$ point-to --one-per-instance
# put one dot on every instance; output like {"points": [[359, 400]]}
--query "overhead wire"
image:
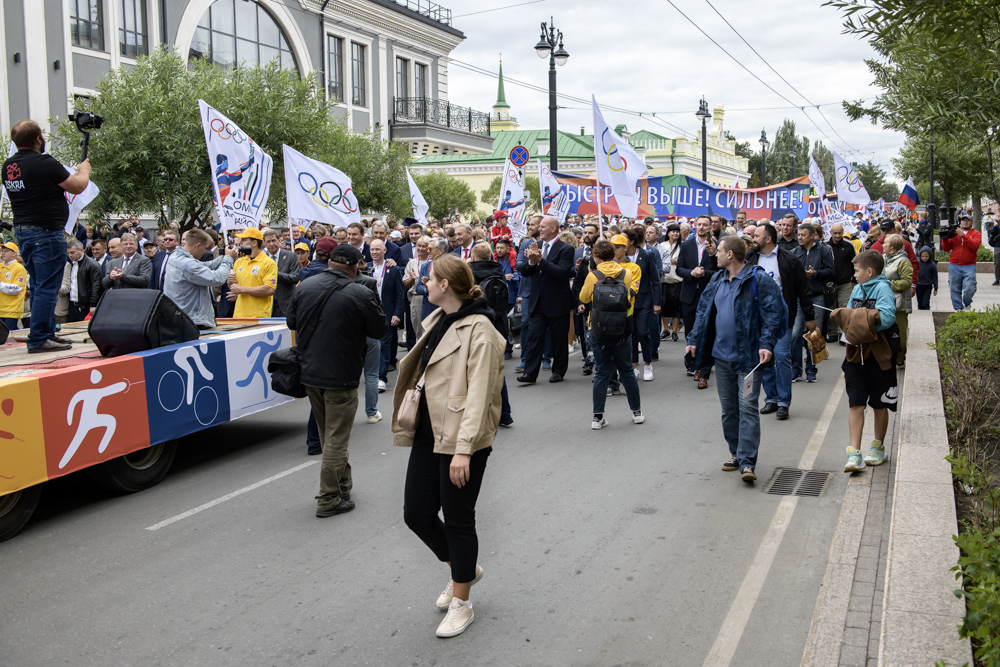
{"points": [[496, 9]]}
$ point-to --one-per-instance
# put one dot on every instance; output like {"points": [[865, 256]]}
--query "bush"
{"points": [[979, 568], [972, 337]]}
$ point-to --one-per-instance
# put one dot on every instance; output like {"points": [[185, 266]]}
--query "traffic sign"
{"points": [[519, 156]]}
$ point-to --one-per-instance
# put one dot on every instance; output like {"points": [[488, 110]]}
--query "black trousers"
{"points": [[641, 335], [76, 313], [428, 490], [558, 326], [580, 321], [689, 312]]}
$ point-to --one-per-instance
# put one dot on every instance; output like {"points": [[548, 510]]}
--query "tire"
{"points": [[15, 510], [136, 471]]}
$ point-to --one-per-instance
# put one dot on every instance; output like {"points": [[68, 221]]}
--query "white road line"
{"points": [[724, 648], [229, 496]]}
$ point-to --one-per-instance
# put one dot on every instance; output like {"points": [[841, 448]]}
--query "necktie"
{"points": [[545, 251], [467, 251]]}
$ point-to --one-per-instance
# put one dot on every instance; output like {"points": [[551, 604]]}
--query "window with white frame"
{"points": [[132, 31], [419, 80], [335, 68], [402, 77]]}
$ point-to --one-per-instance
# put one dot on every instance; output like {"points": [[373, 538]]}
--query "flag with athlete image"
{"points": [[417, 202], [513, 199], [555, 196], [816, 178], [241, 171], [317, 191], [850, 189], [618, 166]]}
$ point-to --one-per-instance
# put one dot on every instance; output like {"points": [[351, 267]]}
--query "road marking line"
{"points": [[229, 496], [724, 647]]}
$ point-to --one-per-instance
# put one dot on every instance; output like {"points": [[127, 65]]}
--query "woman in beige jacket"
{"points": [[460, 357]]}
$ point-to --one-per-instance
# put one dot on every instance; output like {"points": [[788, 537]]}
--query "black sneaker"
{"points": [[588, 370], [506, 421], [768, 409], [782, 413], [690, 373], [664, 335], [747, 474], [345, 505], [673, 337], [730, 465]]}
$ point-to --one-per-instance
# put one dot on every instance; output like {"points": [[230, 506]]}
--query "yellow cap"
{"points": [[619, 239], [251, 233], [302, 246], [10, 245]]}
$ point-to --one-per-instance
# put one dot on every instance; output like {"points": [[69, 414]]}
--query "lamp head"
{"points": [[561, 55], [543, 48]]}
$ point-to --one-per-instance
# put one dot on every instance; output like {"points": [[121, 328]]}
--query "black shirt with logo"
{"points": [[32, 183]]}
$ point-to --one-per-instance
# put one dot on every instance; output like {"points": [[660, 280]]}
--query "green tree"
{"points": [[150, 157], [491, 195], [445, 195], [960, 167]]}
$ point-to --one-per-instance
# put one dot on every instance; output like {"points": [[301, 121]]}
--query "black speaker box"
{"points": [[133, 320]]}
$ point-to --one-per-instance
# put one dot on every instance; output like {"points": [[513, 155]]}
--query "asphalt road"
{"points": [[626, 546]]}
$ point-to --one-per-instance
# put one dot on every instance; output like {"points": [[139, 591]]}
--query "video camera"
{"points": [[85, 123], [947, 230], [244, 250]]}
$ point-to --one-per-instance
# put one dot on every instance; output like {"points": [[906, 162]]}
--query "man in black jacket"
{"points": [[332, 315], [84, 298], [696, 265], [786, 270], [817, 259], [843, 270]]}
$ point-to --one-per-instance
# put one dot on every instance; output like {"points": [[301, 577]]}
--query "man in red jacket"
{"points": [[962, 263]]}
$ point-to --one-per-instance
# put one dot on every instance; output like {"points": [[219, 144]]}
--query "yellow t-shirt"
{"points": [[12, 305], [253, 273]]}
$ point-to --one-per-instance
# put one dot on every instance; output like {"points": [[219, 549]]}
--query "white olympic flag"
{"points": [[850, 189], [618, 166], [417, 202], [241, 180], [816, 178], [513, 200], [555, 198], [317, 191]]}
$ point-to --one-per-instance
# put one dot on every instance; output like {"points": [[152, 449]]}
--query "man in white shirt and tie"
{"points": [[131, 270], [463, 234]]}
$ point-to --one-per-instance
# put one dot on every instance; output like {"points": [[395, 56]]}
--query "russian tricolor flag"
{"points": [[909, 198]]}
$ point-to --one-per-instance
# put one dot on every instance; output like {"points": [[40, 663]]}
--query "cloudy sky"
{"points": [[644, 56]]}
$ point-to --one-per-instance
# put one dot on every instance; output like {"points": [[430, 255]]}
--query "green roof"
{"points": [[646, 134], [571, 147], [501, 98]]}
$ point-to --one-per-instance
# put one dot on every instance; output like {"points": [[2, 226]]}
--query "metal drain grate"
{"points": [[796, 482]]}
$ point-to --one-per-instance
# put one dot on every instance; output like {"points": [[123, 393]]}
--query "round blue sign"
{"points": [[519, 156]]}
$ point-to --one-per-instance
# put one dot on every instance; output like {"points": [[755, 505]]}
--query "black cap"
{"points": [[887, 224], [345, 254], [409, 221]]}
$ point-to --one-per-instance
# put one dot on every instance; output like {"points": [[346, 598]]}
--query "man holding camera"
{"points": [[35, 183], [254, 278], [188, 281], [963, 242]]}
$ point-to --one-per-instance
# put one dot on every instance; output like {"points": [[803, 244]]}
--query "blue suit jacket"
{"points": [[154, 280], [549, 281], [651, 267], [393, 295], [687, 260], [406, 253]]}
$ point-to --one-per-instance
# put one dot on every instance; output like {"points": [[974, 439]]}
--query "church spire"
{"points": [[501, 98]]}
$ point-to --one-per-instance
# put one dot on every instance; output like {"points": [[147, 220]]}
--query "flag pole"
{"points": [[600, 218]]}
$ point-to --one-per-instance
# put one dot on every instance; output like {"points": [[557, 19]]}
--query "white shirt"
{"points": [[770, 264], [126, 260], [467, 251], [378, 271], [701, 248], [74, 293]]}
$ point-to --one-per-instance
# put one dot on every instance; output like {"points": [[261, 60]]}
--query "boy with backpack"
{"points": [[611, 290]]}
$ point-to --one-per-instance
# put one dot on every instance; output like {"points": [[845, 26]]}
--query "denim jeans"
{"points": [[740, 417], [800, 328], [313, 444], [372, 359], [9, 322], [777, 377], [961, 284], [44, 255], [924, 297], [608, 357], [504, 401]]}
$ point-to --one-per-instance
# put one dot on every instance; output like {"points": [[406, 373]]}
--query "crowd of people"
{"points": [[758, 301]]}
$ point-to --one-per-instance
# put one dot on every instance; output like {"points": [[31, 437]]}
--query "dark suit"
{"points": [[158, 270], [288, 278], [88, 289], [460, 251], [137, 274], [549, 304], [393, 298], [407, 251], [691, 288], [650, 266]]}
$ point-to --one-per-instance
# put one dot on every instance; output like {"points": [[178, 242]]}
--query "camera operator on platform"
{"points": [[253, 279], [35, 183], [189, 281]]}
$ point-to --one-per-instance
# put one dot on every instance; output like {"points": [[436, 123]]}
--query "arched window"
{"points": [[240, 32]]}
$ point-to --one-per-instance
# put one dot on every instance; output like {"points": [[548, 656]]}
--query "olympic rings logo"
{"points": [[318, 191], [612, 150], [227, 131], [852, 185]]}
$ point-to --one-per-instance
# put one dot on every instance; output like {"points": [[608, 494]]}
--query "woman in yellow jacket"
{"points": [[460, 357]]}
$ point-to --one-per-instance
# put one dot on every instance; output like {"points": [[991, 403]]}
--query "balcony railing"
{"points": [[425, 111], [431, 10]]}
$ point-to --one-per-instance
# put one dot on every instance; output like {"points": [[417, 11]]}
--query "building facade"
{"points": [[382, 61]]}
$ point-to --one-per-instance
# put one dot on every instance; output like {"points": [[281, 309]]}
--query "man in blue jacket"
{"points": [[738, 315]]}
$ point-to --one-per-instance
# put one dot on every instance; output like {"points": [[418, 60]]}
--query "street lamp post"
{"points": [[763, 158], [791, 169], [550, 46], [704, 115]]}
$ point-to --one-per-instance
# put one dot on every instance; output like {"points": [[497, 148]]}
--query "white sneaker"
{"points": [[517, 346], [636, 371], [375, 418], [458, 619], [637, 417], [598, 424], [444, 600], [381, 387], [647, 373]]}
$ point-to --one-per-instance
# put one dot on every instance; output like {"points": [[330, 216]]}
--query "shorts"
{"points": [[868, 384]]}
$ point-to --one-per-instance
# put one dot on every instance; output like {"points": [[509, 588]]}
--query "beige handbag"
{"points": [[409, 409]]}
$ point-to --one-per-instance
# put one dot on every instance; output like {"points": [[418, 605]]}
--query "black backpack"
{"points": [[495, 290], [609, 309]]}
